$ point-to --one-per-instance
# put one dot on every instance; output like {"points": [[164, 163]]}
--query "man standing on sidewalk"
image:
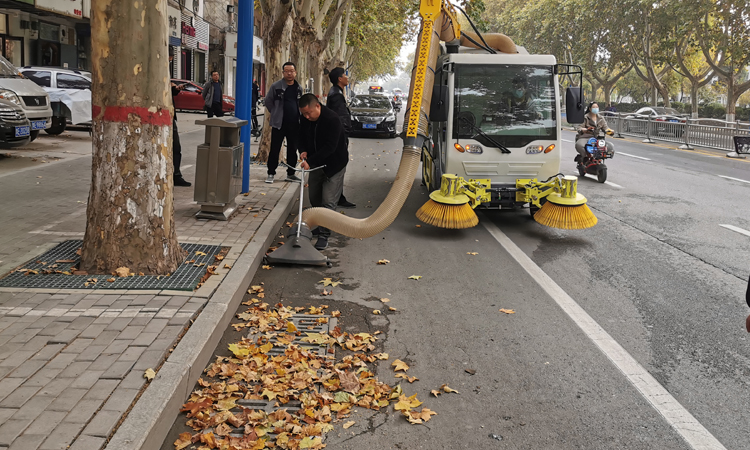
{"points": [[281, 102], [177, 178], [337, 103], [322, 143], [213, 96]]}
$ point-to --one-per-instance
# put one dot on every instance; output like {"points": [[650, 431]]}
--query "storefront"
{"points": [[12, 47], [259, 63], [194, 50], [175, 42], [56, 43]]}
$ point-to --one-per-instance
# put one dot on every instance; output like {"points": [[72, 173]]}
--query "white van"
{"points": [[28, 95]]}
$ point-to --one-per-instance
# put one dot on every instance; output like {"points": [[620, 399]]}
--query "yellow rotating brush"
{"points": [[448, 208], [566, 209]]}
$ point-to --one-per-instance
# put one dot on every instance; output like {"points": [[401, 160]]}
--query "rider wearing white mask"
{"points": [[593, 124]]}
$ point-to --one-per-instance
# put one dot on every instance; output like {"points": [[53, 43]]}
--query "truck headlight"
{"points": [[10, 96]]}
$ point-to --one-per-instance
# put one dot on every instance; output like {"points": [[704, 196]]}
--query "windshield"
{"points": [[7, 69], [370, 102], [513, 104]]}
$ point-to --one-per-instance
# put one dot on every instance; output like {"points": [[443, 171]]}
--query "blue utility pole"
{"points": [[244, 99]]}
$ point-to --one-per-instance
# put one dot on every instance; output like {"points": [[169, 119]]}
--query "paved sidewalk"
{"points": [[72, 362]]}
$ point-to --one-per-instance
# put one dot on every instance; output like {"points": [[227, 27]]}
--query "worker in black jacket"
{"points": [[322, 142], [337, 102], [177, 178]]}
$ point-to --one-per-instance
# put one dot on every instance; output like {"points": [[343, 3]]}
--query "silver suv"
{"points": [[25, 93]]}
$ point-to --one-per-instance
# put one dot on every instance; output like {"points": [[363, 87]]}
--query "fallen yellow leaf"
{"points": [[435, 392], [346, 425], [399, 365], [329, 282], [507, 311], [385, 300], [447, 389], [149, 374], [391, 308], [383, 262], [472, 253], [376, 311], [267, 267], [122, 271], [415, 277]]}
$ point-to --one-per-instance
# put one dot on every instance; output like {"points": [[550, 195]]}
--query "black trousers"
{"points": [[215, 110], [277, 138], [254, 121], [176, 150]]}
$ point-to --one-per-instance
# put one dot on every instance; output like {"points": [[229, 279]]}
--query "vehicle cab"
{"points": [[500, 120], [26, 94]]}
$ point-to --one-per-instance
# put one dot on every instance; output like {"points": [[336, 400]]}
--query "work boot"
{"points": [[322, 243], [316, 231], [269, 178], [179, 181], [344, 203]]}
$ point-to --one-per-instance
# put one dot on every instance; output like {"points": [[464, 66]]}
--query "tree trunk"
{"points": [[694, 99], [130, 215]]}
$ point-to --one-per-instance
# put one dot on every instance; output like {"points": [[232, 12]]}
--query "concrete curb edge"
{"points": [[150, 420]]}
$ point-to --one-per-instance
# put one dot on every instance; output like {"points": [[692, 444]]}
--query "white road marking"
{"points": [[633, 156], [679, 418], [613, 184], [187, 166], [735, 179], [565, 140], [737, 229]]}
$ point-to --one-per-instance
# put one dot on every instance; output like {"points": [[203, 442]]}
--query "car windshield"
{"points": [[666, 111], [7, 70], [365, 101], [513, 104]]}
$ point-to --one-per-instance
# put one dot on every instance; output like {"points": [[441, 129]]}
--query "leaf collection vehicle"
{"points": [[482, 120]]}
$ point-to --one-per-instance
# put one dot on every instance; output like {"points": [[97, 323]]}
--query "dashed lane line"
{"points": [[735, 179], [736, 229], [679, 418], [613, 184], [634, 156]]}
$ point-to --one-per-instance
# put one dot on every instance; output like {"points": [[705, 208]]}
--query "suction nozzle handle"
{"points": [[300, 169]]}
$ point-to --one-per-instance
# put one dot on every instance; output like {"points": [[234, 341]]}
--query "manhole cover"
{"points": [[42, 273]]}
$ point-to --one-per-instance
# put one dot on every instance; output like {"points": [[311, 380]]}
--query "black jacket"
{"points": [[324, 141], [337, 102]]}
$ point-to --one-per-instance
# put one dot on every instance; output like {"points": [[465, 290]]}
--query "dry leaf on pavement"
{"points": [[415, 277], [376, 311], [149, 374], [383, 262], [399, 365], [507, 311], [447, 389], [385, 300], [122, 271], [329, 282]]}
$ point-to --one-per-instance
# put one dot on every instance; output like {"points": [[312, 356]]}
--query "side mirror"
{"points": [[574, 109], [439, 104]]}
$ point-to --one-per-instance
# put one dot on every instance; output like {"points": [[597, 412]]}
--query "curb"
{"points": [[151, 418]]}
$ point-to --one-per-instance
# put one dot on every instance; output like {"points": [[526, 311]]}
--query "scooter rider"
{"points": [[593, 125]]}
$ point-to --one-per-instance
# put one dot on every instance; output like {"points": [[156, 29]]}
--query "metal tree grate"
{"points": [[63, 258]]}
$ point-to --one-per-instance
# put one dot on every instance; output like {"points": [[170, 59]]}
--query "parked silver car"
{"points": [[25, 93]]}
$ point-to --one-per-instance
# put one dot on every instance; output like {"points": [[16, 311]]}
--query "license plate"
{"points": [[673, 120], [38, 124], [369, 126], [22, 131]]}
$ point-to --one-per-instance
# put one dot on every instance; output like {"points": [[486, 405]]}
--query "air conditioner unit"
{"points": [[35, 26], [25, 25], [63, 34]]}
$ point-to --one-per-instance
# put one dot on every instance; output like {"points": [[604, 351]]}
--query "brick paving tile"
{"points": [[131, 332], [27, 442], [66, 400], [118, 370], [46, 422], [43, 377], [80, 323], [144, 340], [11, 429], [105, 337], [107, 300], [119, 323], [61, 361], [150, 359], [75, 369], [5, 413], [78, 345], [83, 411], [105, 317], [53, 329], [27, 369], [103, 423], [91, 353], [24, 336], [49, 351], [55, 387], [103, 362], [139, 321], [132, 354], [93, 330], [117, 347], [155, 326], [120, 399], [33, 408], [101, 390], [133, 380], [64, 337], [61, 437], [88, 443], [88, 379], [19, 396]]}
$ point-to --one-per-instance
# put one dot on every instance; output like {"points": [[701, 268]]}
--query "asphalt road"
{"points": [[658, 274]]}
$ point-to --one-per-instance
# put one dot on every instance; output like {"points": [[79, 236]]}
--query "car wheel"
{"points": [[58, 126], [33, 135]]}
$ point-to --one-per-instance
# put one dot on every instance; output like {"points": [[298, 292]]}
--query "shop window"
{"points": [[40, 77], [68, 81]]}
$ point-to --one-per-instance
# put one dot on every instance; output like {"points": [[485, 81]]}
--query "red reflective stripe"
{"points": [[161, 117]]}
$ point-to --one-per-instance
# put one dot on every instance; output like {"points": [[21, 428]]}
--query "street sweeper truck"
{"points": [[483, 122]]}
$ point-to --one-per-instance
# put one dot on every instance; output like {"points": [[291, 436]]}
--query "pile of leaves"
{"points": [[309, 387]]}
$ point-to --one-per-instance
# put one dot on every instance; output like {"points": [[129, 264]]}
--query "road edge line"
{"points": [[151, 419], [679, 418]]}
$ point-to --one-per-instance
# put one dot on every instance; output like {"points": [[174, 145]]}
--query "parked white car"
{"points": [[25, 93], [69, 92]]}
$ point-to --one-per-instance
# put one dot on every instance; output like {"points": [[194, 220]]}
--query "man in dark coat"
{"points": [[213, 93], [322, 143], [281, 103], [254, 113], [337, 102], [176, 147]]}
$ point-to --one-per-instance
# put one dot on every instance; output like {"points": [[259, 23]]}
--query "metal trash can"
{"points": [[218, 168]]}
